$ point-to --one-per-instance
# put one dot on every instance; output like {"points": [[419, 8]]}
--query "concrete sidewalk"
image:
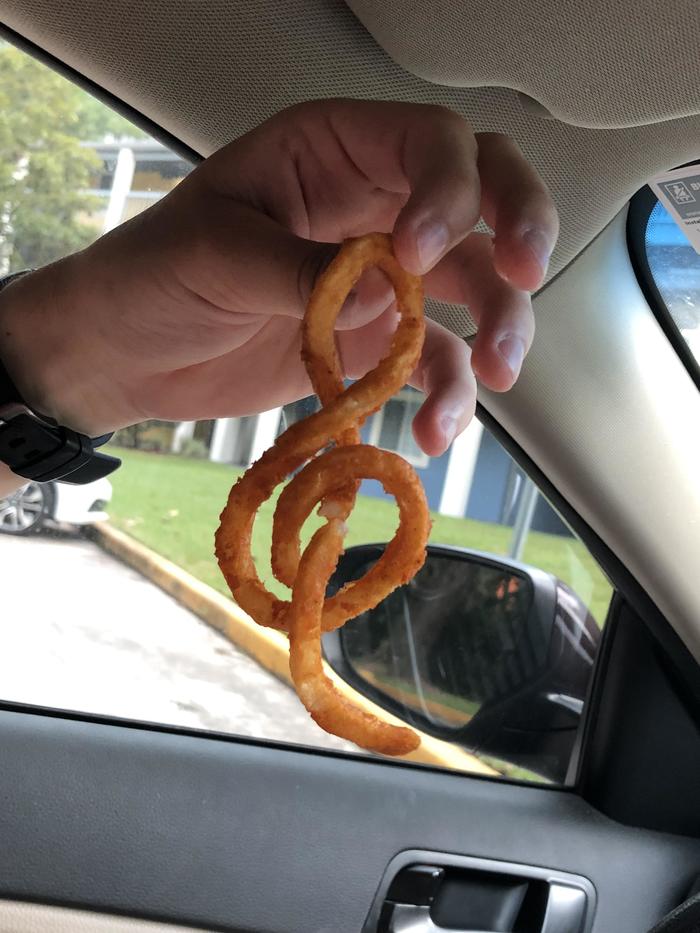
{"points": [[80, 630]]}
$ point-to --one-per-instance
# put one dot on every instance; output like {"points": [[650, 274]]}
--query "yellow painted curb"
{"points": [[267, 646]]}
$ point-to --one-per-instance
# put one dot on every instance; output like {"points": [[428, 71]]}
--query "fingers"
{"points": [[369, 298], [439, 156], [518, 208], [415, 169], [503, 313], [410, 168], [361, 349], [239, 260], [445, 375], [454, 178]]}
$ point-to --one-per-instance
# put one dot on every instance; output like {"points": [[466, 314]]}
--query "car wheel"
{"points": [[25, 510]]}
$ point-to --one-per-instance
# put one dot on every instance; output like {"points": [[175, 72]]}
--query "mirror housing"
{"points": [[489, 654]]}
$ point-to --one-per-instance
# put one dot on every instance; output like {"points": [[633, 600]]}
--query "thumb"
{"points": [[247, 262], [369, 297]]}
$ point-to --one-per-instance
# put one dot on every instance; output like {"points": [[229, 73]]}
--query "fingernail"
{"points": [[431, 241], [540, 246], [512, 349], [448, 423]]}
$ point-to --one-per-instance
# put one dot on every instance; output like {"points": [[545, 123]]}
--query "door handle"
{"points": [[564, 914], [409, 919], [566, 908]]}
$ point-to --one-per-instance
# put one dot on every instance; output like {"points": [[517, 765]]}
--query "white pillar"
{"points": [[121, 186], [523, 519], [460, 471], [184, 431], [223, 440], [265, 433]]}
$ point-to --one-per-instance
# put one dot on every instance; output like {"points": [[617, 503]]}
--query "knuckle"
{"points": [[493, 140], [527, 208], [447, 118]]}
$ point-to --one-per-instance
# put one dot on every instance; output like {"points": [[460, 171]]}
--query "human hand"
{"points": [[193, 309]]}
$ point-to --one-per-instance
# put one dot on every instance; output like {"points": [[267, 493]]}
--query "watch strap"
{"points": [[41, 452], [38, 448]]}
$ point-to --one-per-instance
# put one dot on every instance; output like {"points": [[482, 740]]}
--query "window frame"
{"points": [[640, 208], [629, 591]]}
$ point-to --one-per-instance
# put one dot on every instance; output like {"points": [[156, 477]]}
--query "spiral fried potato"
{"points": [[330, 479]]}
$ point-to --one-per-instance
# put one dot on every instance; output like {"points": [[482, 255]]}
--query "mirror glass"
{"points": [[458, 636]]}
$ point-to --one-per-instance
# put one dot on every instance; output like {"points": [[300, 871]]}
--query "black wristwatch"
{"points": [[40, 449]]}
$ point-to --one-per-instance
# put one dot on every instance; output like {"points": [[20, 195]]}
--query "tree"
{"points": [[45, 168], [96, 120]]}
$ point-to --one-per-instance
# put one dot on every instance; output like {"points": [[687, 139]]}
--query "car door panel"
{"points": [[233, 835], [26, 917]]}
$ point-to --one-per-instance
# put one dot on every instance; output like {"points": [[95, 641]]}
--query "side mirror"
{"points": [[487, 653]]}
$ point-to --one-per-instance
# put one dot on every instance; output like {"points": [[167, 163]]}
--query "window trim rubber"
{"points": [[640, 208]]}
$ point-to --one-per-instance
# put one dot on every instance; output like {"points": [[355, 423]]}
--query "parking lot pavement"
{"points": [[81, 631]]}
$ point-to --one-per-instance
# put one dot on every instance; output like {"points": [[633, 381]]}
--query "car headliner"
{"points": [[209, 72]]}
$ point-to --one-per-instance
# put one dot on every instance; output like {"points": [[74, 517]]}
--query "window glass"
{"points": [[675, 266], [107, 588], [70, 168], [391, 427], [446, 669]]}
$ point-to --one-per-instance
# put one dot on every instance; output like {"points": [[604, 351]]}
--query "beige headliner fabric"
{"points": [[210, 71], [590, 62], [21, 917]]}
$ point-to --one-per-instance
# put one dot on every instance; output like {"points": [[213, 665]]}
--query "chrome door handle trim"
{"points": [[407, 918], [566, 907], [565, 911]]}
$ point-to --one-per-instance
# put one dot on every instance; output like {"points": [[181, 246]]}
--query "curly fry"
{"points": [[332, 479], [327, 707]]}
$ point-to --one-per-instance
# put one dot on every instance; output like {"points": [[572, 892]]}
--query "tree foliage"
{"points": [[96, 120], [44, 167]]}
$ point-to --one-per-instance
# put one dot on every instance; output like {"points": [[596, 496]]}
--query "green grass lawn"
{"points": [[172, 504]]}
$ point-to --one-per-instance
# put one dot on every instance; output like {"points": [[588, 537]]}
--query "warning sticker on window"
{"points": [[679, 192]]}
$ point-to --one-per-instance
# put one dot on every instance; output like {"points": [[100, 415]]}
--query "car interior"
{"points": [[114, 823]]}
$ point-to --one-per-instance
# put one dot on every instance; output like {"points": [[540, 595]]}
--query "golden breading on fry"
{"points": [[331, 479]]}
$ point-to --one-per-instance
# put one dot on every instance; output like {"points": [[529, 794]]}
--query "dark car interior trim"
{"points": [[642, 756], [113, 835]]}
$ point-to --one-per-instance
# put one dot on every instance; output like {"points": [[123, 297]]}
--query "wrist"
{"points": [[43, 346], [9, 481]]}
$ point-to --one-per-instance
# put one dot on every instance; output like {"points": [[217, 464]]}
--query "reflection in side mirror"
{"points": [[487, 653]]}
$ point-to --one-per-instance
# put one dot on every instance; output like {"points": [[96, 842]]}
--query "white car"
{"points": [[36, 504]]}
